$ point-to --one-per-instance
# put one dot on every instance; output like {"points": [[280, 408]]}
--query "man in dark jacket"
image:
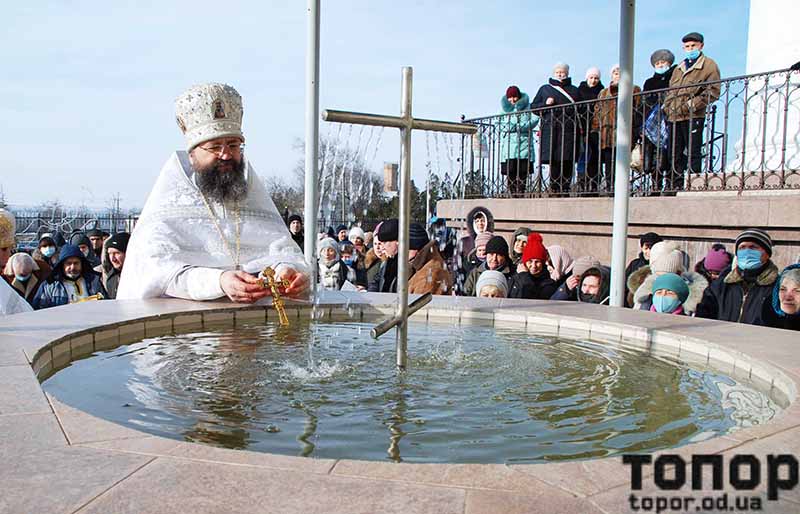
{"points": [[496, 259], [71, 281], [85, 246], [739, 293], [341, 233], [112, 262], [385, 280], [96, 238], [296, 230]]}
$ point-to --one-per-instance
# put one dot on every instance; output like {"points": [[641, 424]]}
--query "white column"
{"points": [[773, 43]]}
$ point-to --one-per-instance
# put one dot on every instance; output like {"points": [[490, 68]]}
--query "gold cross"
{"points": [[272, 283], [94, 297]]}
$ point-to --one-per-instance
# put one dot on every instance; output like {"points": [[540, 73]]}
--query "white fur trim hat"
{"points": [[209, 111], [356, 233]]}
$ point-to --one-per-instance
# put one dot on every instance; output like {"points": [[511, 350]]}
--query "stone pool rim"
{"points": [[55, 436]]}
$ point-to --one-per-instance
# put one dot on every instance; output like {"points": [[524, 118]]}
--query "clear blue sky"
{"points": [[88, 87]]}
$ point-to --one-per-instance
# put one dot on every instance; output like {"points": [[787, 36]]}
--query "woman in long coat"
{"points": [[560, 132], [605, 122]]}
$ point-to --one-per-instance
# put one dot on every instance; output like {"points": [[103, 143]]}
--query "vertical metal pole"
{"points": [[623, 158], [311, 197], [405, 218], [428, 201]]}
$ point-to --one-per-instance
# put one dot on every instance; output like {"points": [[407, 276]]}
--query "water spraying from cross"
{"points": [[406, 123]]}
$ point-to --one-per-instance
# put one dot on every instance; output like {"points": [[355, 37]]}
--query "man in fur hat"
{"points": [[209, 226]]}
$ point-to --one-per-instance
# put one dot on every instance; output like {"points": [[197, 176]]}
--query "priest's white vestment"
{"points": [[177, 249], [10, 301]]}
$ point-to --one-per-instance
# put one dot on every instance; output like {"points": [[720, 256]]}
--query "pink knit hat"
{"points": [[483, 238], [716, 260]]}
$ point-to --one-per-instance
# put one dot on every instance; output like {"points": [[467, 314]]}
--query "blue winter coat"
{"points": [[53, 293], [515, 129]]}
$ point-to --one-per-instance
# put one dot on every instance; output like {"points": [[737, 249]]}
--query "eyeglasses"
{"points": [[219, 150]]}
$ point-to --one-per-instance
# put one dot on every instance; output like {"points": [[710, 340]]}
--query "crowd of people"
{"points": [[86, 267], [209, 230], [667, 126], [741, 285]]}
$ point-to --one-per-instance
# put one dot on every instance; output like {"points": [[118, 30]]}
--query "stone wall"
{"points": [[697, 220]]}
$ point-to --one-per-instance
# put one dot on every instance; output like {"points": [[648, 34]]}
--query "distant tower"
{"points": [[389, 177], [773, 43]]}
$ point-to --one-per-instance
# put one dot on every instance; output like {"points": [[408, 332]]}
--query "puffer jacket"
{"points": [[515, 129], [53, 293], [735, 297], [532, 287], [691, 102]]}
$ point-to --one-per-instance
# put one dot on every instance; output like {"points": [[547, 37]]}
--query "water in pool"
{"points": [[471, 394]]}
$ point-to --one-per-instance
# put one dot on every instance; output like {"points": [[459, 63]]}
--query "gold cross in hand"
{"points": [[273, 284]]}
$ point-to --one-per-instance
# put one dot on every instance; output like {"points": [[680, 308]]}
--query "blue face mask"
{"points": [[666, 304], [22, 278], [692, 54], [662, 70], [349, 261], [48, 251], [748, 259]]}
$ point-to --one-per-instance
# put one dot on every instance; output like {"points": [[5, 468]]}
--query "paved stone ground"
{"points": [[56, 459]]}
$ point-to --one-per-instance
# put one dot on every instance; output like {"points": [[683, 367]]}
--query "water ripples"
{"points": [[471, 394]]}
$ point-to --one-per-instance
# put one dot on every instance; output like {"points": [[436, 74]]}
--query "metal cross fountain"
{"points": [[406, 123]]}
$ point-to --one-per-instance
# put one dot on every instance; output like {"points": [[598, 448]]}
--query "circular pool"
{"points": [[472, 393]]}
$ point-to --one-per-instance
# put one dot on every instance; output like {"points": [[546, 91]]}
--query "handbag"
{"points": [[655, 127]]}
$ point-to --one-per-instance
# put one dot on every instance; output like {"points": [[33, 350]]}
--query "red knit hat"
{"points": [[513, 92], [535, 248]]}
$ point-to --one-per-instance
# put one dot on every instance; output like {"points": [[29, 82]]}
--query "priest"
{"points": [[209, 227]]}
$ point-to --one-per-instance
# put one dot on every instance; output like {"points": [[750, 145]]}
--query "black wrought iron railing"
{"points": [[31, 225], [740, 133]]}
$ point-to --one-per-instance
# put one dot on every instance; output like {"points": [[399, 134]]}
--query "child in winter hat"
{"points": [[669, 293]]}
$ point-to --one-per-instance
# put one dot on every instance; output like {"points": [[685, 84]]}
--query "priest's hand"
{"points": [[298, 282], [242, 287]]}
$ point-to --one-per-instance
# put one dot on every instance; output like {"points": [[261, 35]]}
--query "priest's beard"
{"points": [[223, 186]]}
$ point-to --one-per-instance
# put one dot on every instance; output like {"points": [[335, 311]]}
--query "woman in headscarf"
{"points": [[782, 308], [23, 270], [559, 264], [559, 130]]}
